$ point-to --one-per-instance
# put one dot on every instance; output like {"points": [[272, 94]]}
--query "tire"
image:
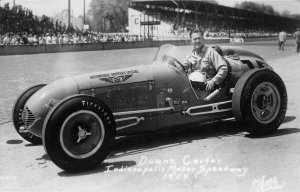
{"points": [[260, 101], [78, 133], [17, 114]]}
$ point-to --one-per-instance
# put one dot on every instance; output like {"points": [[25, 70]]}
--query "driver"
{"points": [[205, 61]]}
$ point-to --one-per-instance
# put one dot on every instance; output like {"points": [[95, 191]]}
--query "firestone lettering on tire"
{"points": [[90, 104]]}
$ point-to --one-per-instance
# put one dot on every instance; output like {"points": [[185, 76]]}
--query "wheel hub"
{"points": [[82, 133], [265, 102]]}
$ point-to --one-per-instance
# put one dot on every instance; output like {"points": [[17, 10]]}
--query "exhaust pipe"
{"points": [[212, 95]]}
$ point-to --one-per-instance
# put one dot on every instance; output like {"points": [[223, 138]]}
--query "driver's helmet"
{"points": [[197, 76], [197, 80]]}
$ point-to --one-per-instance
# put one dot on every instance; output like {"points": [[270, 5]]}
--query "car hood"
{"points": [[114, 77], [45, 98]]}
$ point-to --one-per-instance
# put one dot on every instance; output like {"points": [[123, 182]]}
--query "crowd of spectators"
{"points": [[245, 35], [26, 38], [216, 32], [210, 33], [65, 38]]}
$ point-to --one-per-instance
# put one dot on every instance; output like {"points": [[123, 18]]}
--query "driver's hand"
{"points": [[210, 85], [193, 59]]}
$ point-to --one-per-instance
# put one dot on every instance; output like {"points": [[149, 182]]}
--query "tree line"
{"points": [[108, 15], [266, 9], [17, 19]]}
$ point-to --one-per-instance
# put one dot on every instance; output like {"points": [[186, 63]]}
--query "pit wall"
{"points": [[38, 49], [261, 39]]}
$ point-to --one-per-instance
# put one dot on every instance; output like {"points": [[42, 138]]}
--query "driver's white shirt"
{"points": [[209, 62]]}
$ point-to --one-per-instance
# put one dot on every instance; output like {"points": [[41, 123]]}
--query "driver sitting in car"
{"points": [[206, 64]]}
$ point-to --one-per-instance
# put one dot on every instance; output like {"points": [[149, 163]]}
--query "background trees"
{"points": [[108, 15], [267, 9]]}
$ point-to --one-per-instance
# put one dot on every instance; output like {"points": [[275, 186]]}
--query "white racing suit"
{"points": [[209, 63]]}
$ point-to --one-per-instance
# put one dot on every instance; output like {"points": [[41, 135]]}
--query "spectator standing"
{"points": [[25, 39], [18, 40], [29, 38], [13, 40], [79, 39], [54, 39], [71, 40], [35, 40], [60, 39], [65, 39], [75, 39], [48, 39], [282, 39], [42, 40], [297, 37], [83, 39], [6, 40]]}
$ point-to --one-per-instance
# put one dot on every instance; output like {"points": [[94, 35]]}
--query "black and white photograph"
{"points": [[150, 95]]}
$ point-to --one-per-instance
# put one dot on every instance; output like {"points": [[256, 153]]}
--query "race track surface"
{"points": [[214, 157]]}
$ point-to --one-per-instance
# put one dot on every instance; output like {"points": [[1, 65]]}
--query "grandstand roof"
{"points": [[188, 4], [200, 5]]}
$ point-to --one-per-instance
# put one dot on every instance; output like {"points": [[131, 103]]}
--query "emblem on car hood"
{"points": [[115, 77]]}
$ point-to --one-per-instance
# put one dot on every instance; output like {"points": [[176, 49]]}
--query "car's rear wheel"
{"points": [[260, 101], [17, 113], [78, 133]]}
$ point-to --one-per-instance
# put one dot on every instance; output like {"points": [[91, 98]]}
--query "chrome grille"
{"points": [[28, 117]]}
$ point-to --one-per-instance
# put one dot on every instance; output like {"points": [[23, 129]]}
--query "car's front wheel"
{"points": [[78, 133], [260, 101], [17, 113]]}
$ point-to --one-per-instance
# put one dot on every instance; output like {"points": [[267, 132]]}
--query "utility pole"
{"points": [[69, 13], [177, 12], [14, 2], [83, 12]]}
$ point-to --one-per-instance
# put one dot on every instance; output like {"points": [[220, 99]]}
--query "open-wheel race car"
{"points": [[77, 118]]}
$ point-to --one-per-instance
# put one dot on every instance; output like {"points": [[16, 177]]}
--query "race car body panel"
{"points": [[242, 53]]}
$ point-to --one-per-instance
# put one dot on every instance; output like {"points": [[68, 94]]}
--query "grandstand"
{"points": [[162, 18]]}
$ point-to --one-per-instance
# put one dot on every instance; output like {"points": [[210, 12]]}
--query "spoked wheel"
{"points": [[78, 133], [18, 112], [260, 101]]}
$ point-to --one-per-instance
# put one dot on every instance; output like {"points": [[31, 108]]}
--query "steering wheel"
{"points": [[175, 63]]}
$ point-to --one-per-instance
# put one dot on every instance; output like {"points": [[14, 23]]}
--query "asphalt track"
{"points": [[214, 157]]}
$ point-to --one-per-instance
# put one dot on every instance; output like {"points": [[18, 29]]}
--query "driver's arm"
{"points": [[219, 64]]}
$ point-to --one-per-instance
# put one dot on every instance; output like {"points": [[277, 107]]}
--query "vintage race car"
{"points": [[77, 118]]}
